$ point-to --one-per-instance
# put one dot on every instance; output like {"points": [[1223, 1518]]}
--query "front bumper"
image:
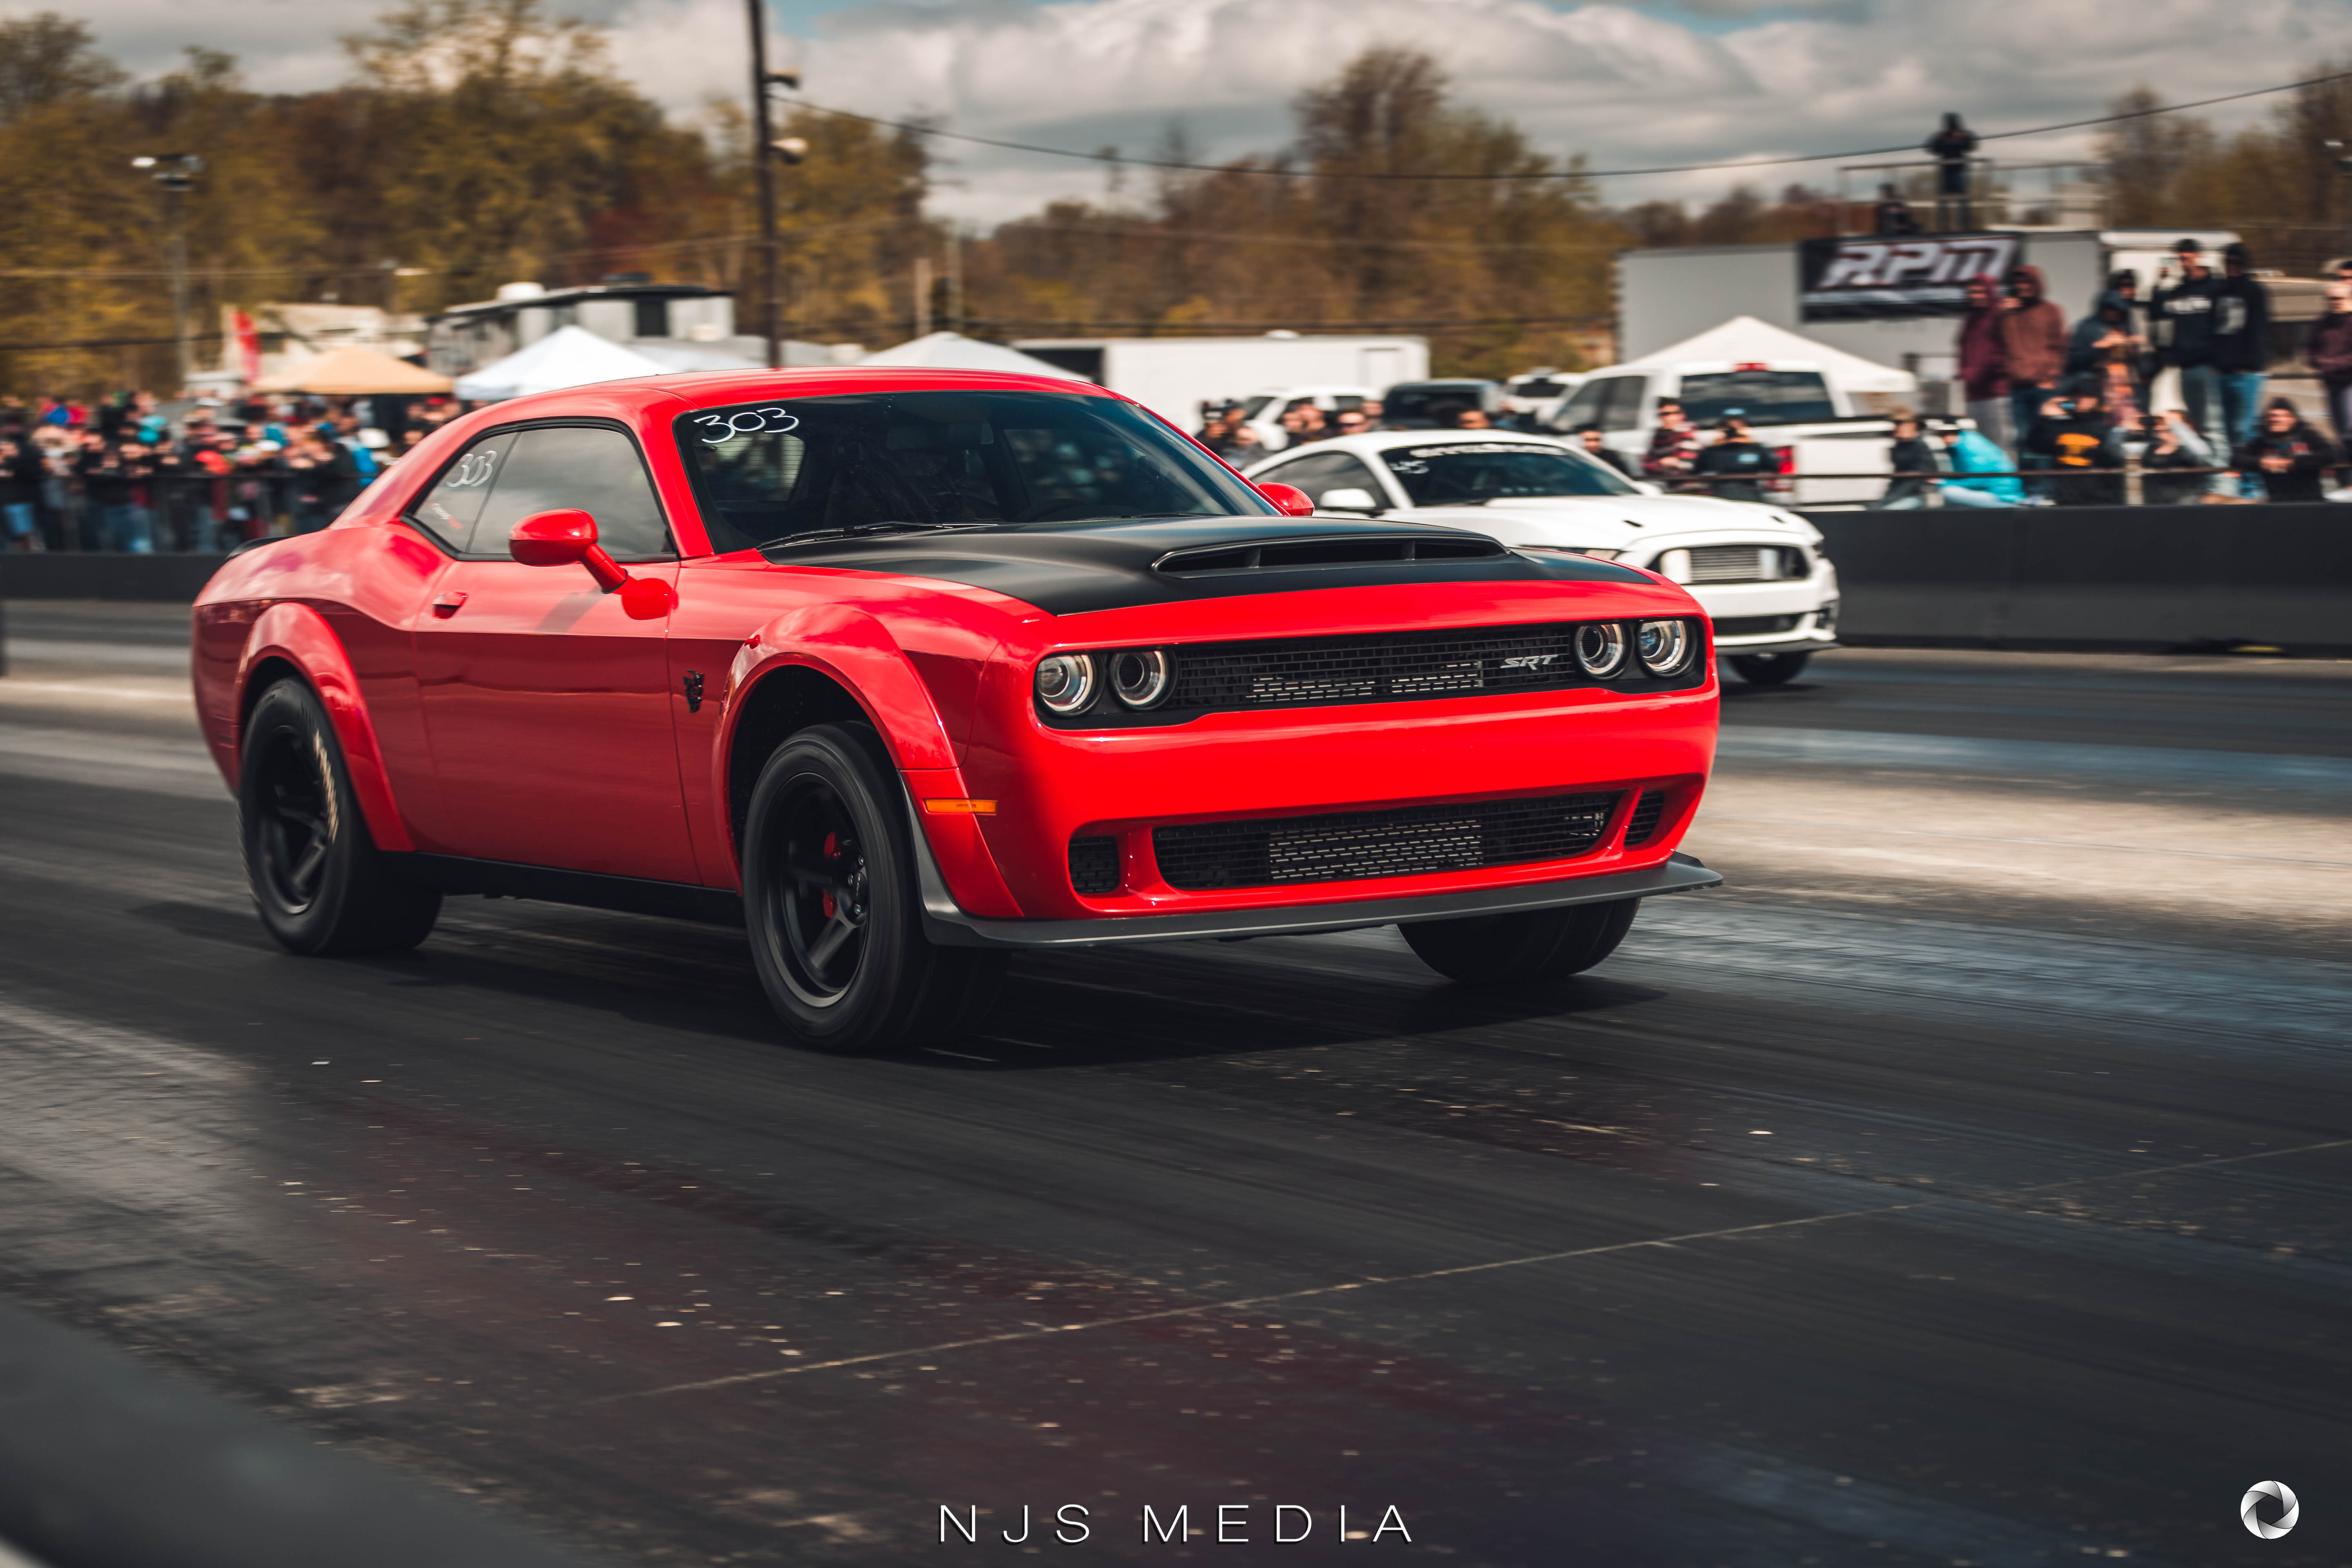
{"points": [[947, 926]]}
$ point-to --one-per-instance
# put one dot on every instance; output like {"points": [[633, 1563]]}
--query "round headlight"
{"points": [[1140, 676], [1665, 646], [1600, 648], [1066, 681]]}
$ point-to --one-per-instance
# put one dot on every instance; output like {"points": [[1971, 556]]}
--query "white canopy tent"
{"points": [[953, 350], [1744, 339], [569, 356]]}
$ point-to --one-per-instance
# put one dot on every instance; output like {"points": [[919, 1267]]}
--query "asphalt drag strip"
{"points": [[1967, 1182]]}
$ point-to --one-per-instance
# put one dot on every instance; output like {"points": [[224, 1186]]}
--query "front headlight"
{"points": [[1600, 648], [1594, 551], [1140, 676], [1665, 646], [1066, 681]]}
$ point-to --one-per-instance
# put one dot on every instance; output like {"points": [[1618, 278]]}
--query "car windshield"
{"points": [[1760, 396], [1474, 473], [770, 472]]}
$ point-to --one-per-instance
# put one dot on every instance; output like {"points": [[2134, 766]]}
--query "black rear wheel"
{"points": [[318, 881], [1769, 668], [1541, 944], [829, 899]]}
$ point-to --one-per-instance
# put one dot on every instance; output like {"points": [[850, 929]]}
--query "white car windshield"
{"points": [[1474, 473]]}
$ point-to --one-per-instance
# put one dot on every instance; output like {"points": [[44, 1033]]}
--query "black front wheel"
{"points": [[318, 881], [1541, 944], [1769, 668], [830, 899]]}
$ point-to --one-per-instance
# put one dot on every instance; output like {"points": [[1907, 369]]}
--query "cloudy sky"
{"points": [[1629, 85]]}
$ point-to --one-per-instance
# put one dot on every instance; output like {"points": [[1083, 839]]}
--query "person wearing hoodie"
{"points": [[2287, 455], [1982, 466], [2329, 352], [1984, 370], [1909, 455], [2032, 345], [2182, 315], [2242, 348], [2105, 347], [2075, 436]]}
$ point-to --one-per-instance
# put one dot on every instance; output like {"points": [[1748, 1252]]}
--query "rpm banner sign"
{"points": [[1898, 275]]}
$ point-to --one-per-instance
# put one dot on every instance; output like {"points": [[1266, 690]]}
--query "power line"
{"points": [[1107, 156]]}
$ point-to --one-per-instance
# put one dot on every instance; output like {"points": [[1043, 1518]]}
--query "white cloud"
{"points": [[1628, 86]]}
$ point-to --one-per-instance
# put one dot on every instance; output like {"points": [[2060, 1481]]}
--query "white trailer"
{"points": [[1174, 377]]}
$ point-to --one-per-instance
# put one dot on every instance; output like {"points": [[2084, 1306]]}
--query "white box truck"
{"points": [[1174, 377]]}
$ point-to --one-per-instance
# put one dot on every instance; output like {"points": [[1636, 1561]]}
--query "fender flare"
{"points": [[858, 654], [299, 635]]}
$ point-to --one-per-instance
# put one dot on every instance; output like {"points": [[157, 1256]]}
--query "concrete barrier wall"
{"points": [[2146, 577], [161, 579]]}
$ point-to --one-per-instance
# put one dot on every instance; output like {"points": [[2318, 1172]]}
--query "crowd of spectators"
{"points": [[1228, 431], [128, 474], [2062, 404]]}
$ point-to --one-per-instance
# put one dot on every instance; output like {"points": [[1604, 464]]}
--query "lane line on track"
{"points": [[1207, 1308], [1706, 816]]}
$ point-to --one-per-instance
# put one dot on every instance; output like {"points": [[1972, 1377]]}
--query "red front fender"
{"points": [[299, 635]]}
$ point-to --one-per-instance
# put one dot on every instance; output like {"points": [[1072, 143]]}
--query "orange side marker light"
{"points": [[960, 807]]}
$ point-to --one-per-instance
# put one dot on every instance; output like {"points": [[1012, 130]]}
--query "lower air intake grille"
{"points": [[1645, 821], [1754, 625], [1093, 864], [1412, 841]]}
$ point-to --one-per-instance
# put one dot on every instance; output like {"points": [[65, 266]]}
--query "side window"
{"points": [[1624, 409], [1584, 408], [450, 508], [592, 468], [1327, 472]]}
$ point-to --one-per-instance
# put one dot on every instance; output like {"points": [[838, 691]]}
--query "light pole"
{"points": [[765, 151], [176, 172]]}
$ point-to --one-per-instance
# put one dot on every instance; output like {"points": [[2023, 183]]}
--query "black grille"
{"points": [[1303, 671], [1412, 841], [1754, 625], [1645, 820], [1093, 864]]}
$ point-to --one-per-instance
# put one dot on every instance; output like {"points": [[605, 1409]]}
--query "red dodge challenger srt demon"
{"points": [[906, 670]]}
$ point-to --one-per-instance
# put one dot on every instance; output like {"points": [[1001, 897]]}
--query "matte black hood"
{"points": [[1068, 569]]}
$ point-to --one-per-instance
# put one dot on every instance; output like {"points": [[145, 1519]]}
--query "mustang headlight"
{"points": [[1594, 551], [1066, 681], [1140, 676], [1665, 646], [1600, 648]]}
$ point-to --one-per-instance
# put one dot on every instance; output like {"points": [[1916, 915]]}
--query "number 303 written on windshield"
{"points": [[725, 428]]}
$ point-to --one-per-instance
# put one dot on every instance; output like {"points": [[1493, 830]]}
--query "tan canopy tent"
{"points": [[354, 373]]}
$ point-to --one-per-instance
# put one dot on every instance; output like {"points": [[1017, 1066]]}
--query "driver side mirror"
{"points": [[1351, 498], [1289, 499], [568, 537]]}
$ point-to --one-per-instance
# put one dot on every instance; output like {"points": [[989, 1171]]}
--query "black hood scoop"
{"points": [[1323, 550], [1069, 569]]}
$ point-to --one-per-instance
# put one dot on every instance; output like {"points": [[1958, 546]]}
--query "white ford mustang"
{"points": [[1757, 571]]}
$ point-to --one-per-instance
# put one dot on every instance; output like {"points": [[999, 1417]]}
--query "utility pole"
{"points": [[765, 152], [176, 172], [770, 249]]}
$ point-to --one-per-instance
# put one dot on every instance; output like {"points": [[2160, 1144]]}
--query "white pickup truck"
{"points": [[1797, 408]]}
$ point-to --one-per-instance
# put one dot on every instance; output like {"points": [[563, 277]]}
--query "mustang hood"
{"points": [[1122, 564], [1621, 522]]}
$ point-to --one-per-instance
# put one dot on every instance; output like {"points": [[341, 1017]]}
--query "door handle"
{"points": [[449, 603]]}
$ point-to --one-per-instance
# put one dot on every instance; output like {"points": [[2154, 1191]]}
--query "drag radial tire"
{"points": [[1769, 668], [1541, 944], [318, 880], [830, 899]]}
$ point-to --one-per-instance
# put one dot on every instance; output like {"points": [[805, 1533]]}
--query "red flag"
{"points": [[248, 347]]}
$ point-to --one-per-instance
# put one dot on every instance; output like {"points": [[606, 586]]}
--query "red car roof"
{"points": [[713, 388]]}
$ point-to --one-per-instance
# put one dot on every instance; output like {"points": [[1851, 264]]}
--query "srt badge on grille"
{"points": [[1529, 660]]}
